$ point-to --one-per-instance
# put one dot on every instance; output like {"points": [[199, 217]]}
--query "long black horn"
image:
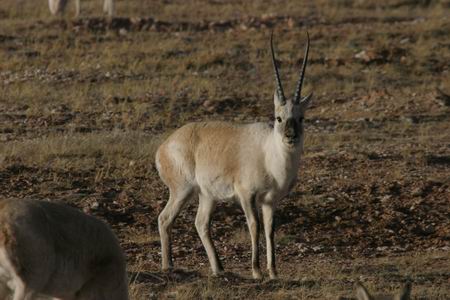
{"points": [[280, 92], [298, 91]]}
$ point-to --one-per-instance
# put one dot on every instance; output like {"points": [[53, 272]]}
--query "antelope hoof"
{"points": [[257, 274], [273, 275], [218, 272], [167, 269]]}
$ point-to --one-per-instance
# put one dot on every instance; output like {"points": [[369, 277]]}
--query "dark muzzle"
{"points": [[291, 130]]}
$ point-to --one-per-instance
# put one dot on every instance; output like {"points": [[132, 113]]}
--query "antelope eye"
{"points": [[279, 119]]}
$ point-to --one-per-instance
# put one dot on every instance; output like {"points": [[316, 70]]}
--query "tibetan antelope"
{"points": [[363, 294], [59, 6], [256, 164], [52, 250]]}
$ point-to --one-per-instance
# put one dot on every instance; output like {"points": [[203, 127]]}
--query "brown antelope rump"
{"points": [[363, 294], [52, 250], [256, 164], [59, 6]]}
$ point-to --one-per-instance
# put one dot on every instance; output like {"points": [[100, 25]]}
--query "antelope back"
{"points": [[64, 250], [363, 294]]}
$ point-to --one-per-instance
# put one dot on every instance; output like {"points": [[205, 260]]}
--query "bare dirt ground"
{"points": [[84, 104]]}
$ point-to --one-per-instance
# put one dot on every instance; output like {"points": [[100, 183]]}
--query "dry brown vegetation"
{"points": [[84, 104]]}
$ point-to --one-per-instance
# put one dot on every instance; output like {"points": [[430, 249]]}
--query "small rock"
{"points": [[123, 31], [95, 205], [366, 56], [417, 192], [386, 198], [317, 248], [209, 105], [135, 20], [405, 40]]}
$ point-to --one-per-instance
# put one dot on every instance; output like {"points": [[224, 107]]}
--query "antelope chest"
{"points": [[284, 186], [283, 178]]}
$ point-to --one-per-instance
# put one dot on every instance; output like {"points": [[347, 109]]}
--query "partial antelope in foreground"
{"points": [[256, 164], [52, 250], [59, 6], [363, 294]]}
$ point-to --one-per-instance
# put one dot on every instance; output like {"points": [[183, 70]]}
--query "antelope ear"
{"points": [[305, 102], [361, 292], [405, 293]]}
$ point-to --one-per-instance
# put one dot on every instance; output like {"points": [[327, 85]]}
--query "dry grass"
{"points": [[83, 111], [120, 150], [329, 279]]}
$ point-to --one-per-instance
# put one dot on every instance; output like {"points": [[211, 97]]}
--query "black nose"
{"points": [[290, 131]]}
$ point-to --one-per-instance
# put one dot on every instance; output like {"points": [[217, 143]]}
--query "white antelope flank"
{"points": [[256, 164], [52, 250], [59, 6], [363, 294]]}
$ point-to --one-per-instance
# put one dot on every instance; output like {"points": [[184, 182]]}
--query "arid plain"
{"points": [[85, 102]]}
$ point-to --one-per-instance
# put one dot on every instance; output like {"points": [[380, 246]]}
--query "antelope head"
{"points": [[289, 113]]}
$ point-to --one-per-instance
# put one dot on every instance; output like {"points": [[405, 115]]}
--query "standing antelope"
{"points": [[255, 163], [58, 7], [363, 294], [52, 250]]}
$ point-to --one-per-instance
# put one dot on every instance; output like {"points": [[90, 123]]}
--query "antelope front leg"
{"points": [[77, 8], [251, 214], [108, 7], [57, 6], [268, 210]]}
